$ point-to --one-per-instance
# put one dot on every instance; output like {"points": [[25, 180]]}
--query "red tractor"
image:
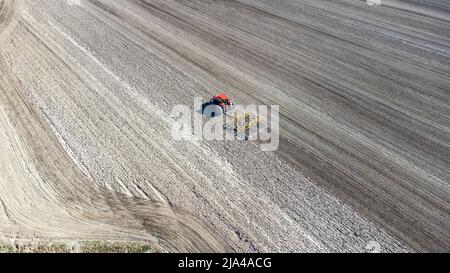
{"points": [[218, 105], [223, 101]]}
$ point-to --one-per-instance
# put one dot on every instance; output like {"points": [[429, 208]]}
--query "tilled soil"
{"points": [[86, 91]]}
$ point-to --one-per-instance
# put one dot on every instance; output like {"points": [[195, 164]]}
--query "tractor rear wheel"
{"points": [[213, 111]]}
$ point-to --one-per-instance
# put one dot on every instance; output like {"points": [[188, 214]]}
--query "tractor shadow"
{"points": [[210, 110]]}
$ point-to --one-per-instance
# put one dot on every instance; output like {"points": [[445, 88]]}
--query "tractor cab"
{"points": [[217, 106], [223, 101]]}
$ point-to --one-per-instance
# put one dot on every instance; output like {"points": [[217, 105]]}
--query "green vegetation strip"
{"points": [[76, 247]]}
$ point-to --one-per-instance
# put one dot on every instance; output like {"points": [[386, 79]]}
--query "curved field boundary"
{"points": [[44, 194]]}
